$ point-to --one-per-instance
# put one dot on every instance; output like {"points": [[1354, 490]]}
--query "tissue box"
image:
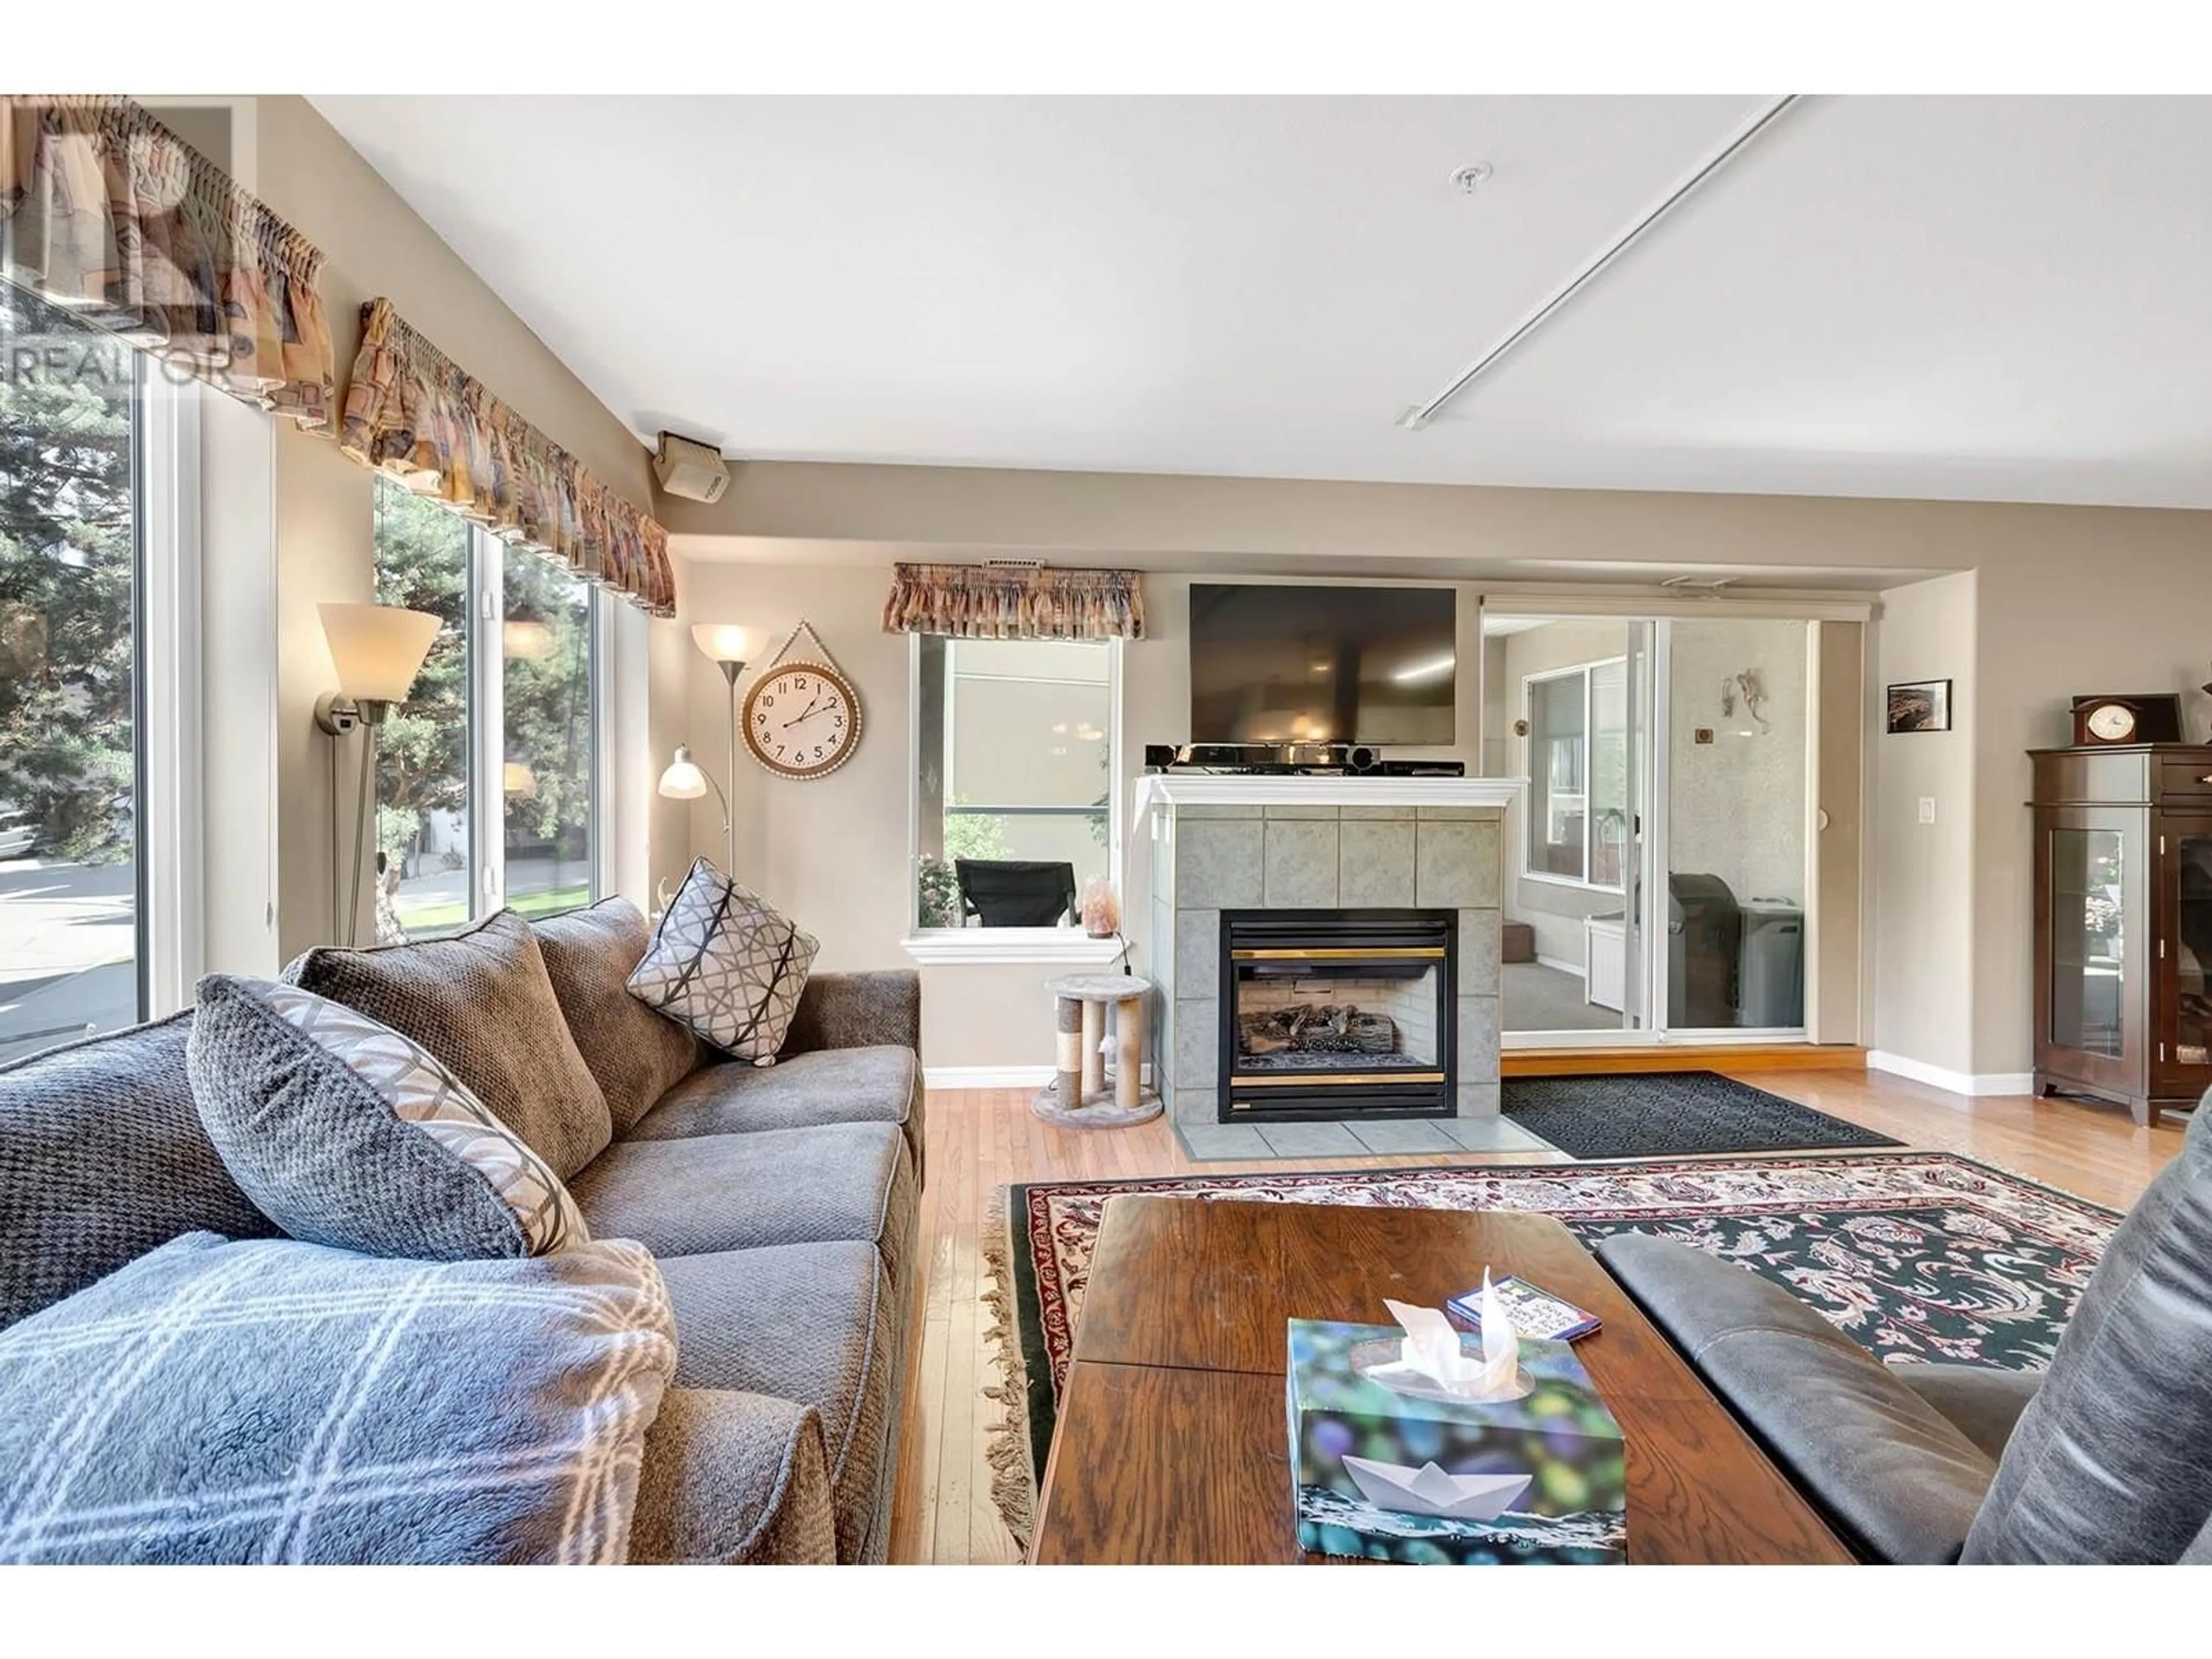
{"points": [[1558, 1435]]}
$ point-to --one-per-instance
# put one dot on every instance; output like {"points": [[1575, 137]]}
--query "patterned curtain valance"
{"points": [[993, 602], [410, 412], [106, 213]]}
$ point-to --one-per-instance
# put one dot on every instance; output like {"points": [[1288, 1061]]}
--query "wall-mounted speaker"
{"points": [[689, 469]]}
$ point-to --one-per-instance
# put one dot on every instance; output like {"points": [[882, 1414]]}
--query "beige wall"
{"points": [[2065, 614], [375, 245], [1925, 923], [833, 852], [1836, 971], [2066, 599]]}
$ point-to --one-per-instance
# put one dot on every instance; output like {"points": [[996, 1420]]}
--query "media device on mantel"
{"points": [[1293, 760]]}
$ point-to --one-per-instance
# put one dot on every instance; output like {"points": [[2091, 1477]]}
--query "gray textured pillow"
{"points": [[636, 1056], [102, 1157], [481, 1002], [726, 964], [348, 1134], [220, 1402]]}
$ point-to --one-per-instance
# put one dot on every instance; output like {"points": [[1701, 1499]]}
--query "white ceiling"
{"points": [[1966, 298]]}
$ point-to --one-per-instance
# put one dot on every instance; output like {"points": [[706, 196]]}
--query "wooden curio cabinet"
{"points": [[2124, 924]]}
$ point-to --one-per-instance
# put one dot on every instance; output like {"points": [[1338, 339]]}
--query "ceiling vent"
{"points": [[689, 469]]}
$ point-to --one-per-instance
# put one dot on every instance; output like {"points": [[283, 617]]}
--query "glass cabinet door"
{"points": [[2088, 954], [2191, 950]]}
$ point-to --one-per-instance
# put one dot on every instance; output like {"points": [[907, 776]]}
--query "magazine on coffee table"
{"points": [[1534, 1313]]}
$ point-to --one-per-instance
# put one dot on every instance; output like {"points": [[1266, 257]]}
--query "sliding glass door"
{"points": [[1733, 826], [1566, 701], [1655, 869]]}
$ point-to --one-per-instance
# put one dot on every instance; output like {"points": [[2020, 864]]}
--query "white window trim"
{"points": [[951, 946], [488, 725], [169, 823], [599, 620], [943, 947], [487, 721], [1553, 879]]}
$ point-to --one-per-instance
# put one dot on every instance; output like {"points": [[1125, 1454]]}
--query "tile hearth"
{"points": [[1206, 1142]]}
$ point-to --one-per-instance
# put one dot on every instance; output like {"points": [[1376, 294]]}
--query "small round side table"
{"points": [[1078, 1096]]}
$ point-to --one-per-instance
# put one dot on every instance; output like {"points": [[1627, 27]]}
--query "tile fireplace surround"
{"points": [[1231, 842]]}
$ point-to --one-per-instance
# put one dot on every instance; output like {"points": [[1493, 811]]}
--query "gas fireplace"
{"points": [[1337, 1013]]}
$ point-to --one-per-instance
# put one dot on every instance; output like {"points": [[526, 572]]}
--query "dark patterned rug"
{"points": [[1672, 1115], [1919, 1256]]}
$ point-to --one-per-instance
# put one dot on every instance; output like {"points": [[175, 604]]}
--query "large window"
{"points": [[546, 773], [487, 776], [1577, 721], [1014, 789], [71, 938], [423, 798]]}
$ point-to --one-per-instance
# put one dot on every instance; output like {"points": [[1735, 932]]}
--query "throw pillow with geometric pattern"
{"points": [[726, 964], [346, 1133]]}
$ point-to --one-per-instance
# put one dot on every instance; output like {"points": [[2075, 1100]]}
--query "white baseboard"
{"points": [[993, 1077], [1958, 1083], [1560, 964], [986, 1077]]}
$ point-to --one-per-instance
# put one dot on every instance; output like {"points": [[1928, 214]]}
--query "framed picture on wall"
{"points": [[1920, 706]]}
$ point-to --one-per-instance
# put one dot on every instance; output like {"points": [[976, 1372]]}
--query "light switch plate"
{"points": [[1928, 809]]}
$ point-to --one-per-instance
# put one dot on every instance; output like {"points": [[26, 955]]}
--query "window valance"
{"points": [[1009, 602], [106, 213], [410, 412]]}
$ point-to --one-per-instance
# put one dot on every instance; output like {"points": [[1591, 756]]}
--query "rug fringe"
{"points": [[1007, 1447]]}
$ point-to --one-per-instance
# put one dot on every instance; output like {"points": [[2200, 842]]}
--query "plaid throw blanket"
{"points": [[273, 1401]]}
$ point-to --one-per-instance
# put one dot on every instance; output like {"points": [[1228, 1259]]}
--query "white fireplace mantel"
{"points": [[1172, 789], [1230, 845]]}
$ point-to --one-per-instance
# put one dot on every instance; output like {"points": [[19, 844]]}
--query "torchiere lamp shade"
{"points": [[377, 648], [726, 641]]}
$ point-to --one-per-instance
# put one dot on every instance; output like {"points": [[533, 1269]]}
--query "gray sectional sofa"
{"points": [[780, 1202], [2100, 1459]]}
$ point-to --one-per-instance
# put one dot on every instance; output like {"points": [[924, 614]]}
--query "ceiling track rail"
{"points": [[1421, 414]]}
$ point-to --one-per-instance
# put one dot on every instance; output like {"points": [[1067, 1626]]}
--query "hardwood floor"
{"points": [[982, 1139]]}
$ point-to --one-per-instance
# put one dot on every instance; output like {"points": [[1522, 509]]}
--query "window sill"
{"points": [[1574, 882], [961, 946]]}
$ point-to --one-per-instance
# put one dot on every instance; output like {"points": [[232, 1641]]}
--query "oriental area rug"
{"points": [[1919, 1256]]}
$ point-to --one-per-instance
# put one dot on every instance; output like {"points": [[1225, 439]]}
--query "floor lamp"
{"points": [[685, 780], [378, 650], [729, 647]]}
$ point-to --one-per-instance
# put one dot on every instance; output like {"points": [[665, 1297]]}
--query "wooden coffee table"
{"points": [[1171, 1446]]}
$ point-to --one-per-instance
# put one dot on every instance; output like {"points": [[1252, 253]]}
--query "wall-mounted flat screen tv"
{"points": [[1281, 664]]}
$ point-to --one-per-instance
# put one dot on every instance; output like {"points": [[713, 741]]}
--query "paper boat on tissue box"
{"points": [[1393, 1474]]}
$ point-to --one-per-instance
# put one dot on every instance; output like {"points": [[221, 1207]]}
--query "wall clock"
{"points": [[2114, 717], [802, 718]]}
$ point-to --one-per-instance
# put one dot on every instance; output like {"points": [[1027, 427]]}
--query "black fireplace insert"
{"points": [[1337, 1014]]}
